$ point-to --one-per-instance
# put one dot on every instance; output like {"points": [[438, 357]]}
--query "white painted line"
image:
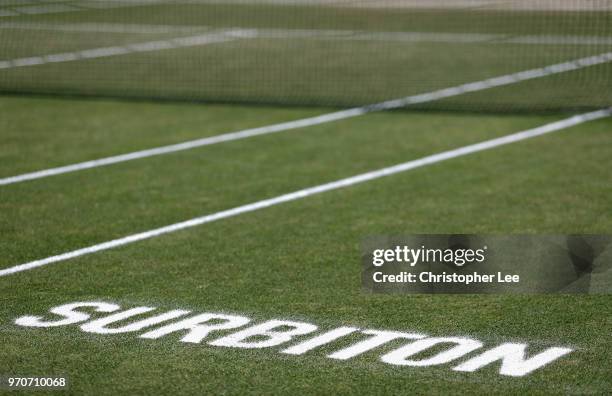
{"points": [[507, 5], [350, 35], [108, 4], [18, 8], [560, 40], [343, 183], [7, 13], [102, 27], [46, 9], [434, 37], [181, 42], [317, 120], [35, 60], [4, 3]]}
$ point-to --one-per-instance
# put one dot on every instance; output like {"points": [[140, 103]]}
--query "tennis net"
{"points": [[315, 52]]}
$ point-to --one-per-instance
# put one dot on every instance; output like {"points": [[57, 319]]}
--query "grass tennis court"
{"points": [[298, 259]]}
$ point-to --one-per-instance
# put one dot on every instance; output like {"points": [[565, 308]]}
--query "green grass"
{"points": [[320, 72], [298, 260]]}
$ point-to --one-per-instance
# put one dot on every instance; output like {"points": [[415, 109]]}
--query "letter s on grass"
{"points": [[67, 311]]}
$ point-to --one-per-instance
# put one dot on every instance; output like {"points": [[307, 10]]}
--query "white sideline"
{"points": [[321, 119], [342, 183], [348, 35], [45, 9], [218, 36], [38, 8], [354, 35], [514, 5], [104, 27]]}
